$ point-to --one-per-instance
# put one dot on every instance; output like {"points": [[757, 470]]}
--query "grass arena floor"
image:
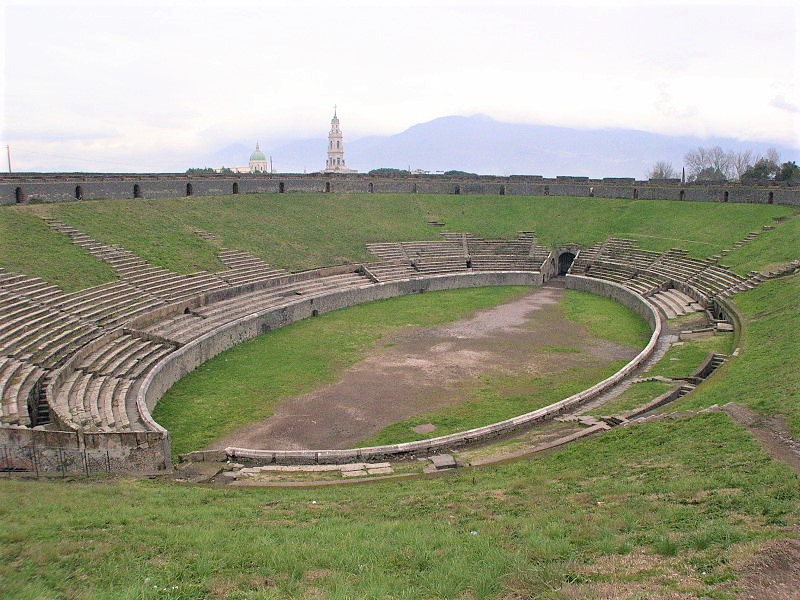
{"points": [[691, 508], [348, 377]]}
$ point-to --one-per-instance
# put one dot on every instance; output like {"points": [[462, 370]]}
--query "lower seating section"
{"points": [[126, 356], [674, 303], [99, 395], [440, 264], [94, 402], [645, 283], [42, 328], [504, 262], [392, 270], [18, 380], [186, 327]]}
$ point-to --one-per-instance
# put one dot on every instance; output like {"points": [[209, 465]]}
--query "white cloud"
{"points": [[151, 84]]}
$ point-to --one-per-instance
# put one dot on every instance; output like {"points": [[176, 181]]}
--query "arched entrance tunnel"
{"points": [[565, 260]]}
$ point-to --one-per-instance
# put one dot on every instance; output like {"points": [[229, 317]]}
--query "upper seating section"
{"points": [[622, 261], [243, 268], [458, 252]]}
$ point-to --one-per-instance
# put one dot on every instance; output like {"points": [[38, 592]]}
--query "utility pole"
{"points": [[8, 155]]}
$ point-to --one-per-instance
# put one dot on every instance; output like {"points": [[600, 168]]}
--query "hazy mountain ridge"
{"points": [[482, 145]]}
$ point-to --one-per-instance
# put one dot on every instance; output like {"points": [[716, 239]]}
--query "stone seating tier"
{"points": [[93, 402], [387, 251], [126, 356], [476, 247], [392, 270], [17, 381], [186, 327]]}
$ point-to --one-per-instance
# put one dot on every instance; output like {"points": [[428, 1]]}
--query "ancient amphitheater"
{"points": [[80, 372]]}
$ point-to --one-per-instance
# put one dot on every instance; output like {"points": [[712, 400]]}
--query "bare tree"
{"points": [[713, 163], [662, 170], [773, 156], [740, 162]]}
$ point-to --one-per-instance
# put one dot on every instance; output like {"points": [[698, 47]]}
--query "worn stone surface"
{"points": [[424, 428], [380, 471], [443, 461]]}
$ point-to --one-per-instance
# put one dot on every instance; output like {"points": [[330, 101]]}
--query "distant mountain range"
{"points": [[482, 145]]}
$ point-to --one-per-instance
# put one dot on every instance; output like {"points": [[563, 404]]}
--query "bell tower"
{"points": [[335, 162]]}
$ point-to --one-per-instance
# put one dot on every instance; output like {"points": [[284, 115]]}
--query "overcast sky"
{"points": [[142, 86]]}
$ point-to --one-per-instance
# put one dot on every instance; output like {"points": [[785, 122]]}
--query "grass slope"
{"points": [[769, 250], [243, 384], [28, 246], [301, 231], [657, 509], [765, 375]]}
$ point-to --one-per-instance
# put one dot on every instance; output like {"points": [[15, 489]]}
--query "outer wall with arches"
{"points": [[19, 189]]}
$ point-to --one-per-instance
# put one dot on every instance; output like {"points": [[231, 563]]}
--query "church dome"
{"points": [[257, 155]]}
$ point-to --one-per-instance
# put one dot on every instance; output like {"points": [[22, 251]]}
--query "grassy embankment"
{"points": [[765, 375], [28, 246], [656, 509], [301, 231]]}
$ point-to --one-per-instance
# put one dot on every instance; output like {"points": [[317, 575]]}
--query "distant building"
{"points": [[335, 162], [258, 163]]}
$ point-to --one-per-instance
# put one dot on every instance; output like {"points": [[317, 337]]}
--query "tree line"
{"points": [[718, 165]]}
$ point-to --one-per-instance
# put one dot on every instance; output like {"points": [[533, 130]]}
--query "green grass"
{"points": [[633, 397], [686, 497], [243, 384], [683, 358], [684, 500], [28, 246], [765, 376], [604, 318], [301, 231], [769, 250]]}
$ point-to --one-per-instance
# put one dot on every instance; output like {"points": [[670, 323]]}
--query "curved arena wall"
{"points": [[178, 364]]}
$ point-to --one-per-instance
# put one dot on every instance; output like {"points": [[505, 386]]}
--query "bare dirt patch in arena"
{"points": [[420, 370]]}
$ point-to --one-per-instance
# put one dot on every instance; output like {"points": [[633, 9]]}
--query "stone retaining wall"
{"points": [[139, 452], [488, 432], [55, 187]]}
